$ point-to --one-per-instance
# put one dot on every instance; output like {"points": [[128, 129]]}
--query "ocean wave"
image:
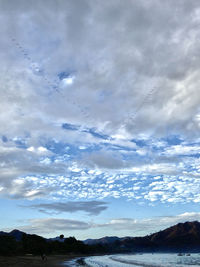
{"points": [[135, 263], [139, 260]]}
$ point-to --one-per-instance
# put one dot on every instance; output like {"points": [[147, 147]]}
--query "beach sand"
{"points": [[35, 261]]}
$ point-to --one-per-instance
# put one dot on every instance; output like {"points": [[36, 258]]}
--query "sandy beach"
{"points": [[34, 261]]}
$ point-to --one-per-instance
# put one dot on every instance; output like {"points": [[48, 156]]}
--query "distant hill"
{"points": [[20, 243], [57, 238], [179, 235], [182, 236], [14, 233], [103, 241], [17, 234]]}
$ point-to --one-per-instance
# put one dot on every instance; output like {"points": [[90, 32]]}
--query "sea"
{"points": [[140, 260]]}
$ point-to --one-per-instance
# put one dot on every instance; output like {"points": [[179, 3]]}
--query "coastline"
{"points": [[36, 261]]}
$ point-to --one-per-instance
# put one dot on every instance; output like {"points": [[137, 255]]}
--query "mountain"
{"points": [[103, 241], [17, 234], [3, 233], [57, 238], [14, 233], [182, 236]]}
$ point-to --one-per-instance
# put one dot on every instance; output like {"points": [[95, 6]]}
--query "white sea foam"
{"points": [[143, 260]]}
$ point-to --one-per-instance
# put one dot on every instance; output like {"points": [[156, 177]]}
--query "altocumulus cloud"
{"points": [[115, 52]]}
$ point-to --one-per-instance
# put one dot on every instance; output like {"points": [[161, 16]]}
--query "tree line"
{"points": [[37, 245]]}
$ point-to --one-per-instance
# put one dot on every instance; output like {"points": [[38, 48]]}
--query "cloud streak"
{"points": [[90, 207], [40, 225], [150, 225], [135, 227]]}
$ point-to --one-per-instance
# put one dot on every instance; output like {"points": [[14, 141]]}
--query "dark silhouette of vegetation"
{"points": [[37, 245], [181, 237], [34, 244], [8, 245], [61, 236]]}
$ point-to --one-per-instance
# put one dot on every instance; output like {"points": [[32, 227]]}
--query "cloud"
{"points": [[183, 150], [47, 225], [135, 70], [109, 172], [90, 207], [104, 160], [150, 225], [135, 227], [115, 71]]}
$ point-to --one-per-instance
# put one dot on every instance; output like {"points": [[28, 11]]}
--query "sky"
{"points": [[99, 116]]}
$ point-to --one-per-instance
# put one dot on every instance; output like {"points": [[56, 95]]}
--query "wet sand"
{"points": [[35, 261]]}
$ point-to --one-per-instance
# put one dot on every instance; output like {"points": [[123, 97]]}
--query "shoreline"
{"points": [[36, 261]]}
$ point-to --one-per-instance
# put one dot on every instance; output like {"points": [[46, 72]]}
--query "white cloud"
{"points": [[149, 225], [182, 150], [39, 150], [114, 54], [68, 81], [119, 66], [135, 227], [39, 226]]}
